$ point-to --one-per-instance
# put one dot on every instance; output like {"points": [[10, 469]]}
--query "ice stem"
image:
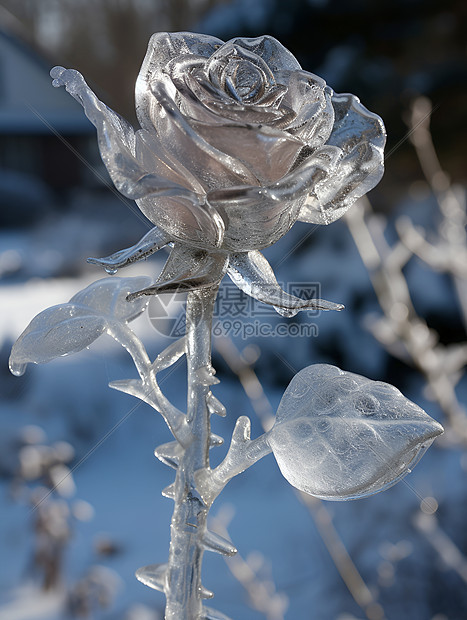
{"points": [[183, 589]]}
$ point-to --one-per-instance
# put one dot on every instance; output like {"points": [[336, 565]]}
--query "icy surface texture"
{"points": [[341, 436], [237, 142], [71, 327]]}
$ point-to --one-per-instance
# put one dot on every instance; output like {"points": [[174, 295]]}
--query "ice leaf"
{"points": [[341, 436], [73, 326], [57, 331], [109, 297]]}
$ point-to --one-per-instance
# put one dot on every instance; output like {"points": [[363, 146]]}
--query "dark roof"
{"points": [[28, 102]]}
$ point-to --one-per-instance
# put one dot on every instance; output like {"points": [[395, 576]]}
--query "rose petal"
{"points": [[361, 136], [253, 221], [310, 98], [256, 217], [210, 166], [200, 225], [201, 101], [252, 273], [268, 152], [267, 110], [249, 133], [155, 158], [353, 122], [229, 58], [276, 56], [187, 269], [162, 48]]}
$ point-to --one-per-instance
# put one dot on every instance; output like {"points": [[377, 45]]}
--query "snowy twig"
{"points": [[402, 331], [262, 593]]}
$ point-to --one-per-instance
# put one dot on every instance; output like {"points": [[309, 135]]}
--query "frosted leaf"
{"points": [[57, 331], [252, 273], [73, 326], [341, 436], [109, 297]]}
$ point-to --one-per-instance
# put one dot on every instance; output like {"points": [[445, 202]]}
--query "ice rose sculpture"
{"points": [[236, 144]]}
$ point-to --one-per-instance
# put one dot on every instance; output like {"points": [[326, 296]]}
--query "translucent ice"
{"points": [[341, 436]]}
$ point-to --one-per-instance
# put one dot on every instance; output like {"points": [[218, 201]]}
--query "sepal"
{"points": [[152, 241], [252, 273]]}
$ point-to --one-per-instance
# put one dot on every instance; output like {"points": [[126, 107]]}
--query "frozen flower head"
{"points": [[236, 144]]}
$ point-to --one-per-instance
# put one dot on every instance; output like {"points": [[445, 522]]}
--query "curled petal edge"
{"points": [[330, 200], [361, 136]]}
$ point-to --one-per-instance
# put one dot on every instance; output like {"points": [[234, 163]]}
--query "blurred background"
{"points": [[398, 261]]}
